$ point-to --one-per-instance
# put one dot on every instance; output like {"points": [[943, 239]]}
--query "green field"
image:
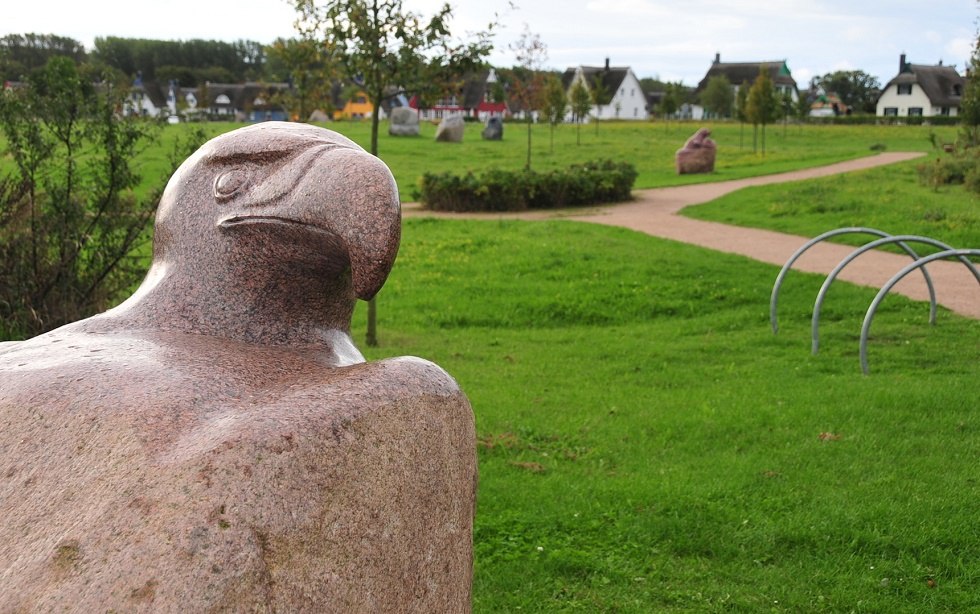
{"points": [[650, 147], [646, 444]]}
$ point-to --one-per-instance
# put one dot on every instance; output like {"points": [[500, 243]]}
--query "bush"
{"points": [[579, 185], [960, 166]]}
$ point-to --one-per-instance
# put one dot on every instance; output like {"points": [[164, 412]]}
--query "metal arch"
{"points": [[900, 240], [774, 297], [962, 254]]}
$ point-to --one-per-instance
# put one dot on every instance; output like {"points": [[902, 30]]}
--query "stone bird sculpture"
{"points": [[217, 442]]}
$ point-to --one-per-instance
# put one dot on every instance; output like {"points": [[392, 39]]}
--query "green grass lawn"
{"points": [[646, 444], [649, 146]]}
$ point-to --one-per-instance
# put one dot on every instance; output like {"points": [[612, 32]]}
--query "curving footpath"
{"points": [[654, 212]]}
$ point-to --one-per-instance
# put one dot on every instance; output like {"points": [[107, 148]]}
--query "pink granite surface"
{"points": [[217, 442], [697, 155]]}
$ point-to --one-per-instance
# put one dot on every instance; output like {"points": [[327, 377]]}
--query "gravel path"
{"points": [[654, 212]]}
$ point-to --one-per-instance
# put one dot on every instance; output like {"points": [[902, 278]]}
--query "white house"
{"points": [[627, 98], [922, 90]]}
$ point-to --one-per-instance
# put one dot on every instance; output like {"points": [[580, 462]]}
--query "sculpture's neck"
{"points": [[283, 304]]}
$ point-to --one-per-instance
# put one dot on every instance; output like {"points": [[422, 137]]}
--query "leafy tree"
{"points": [[855, 88], [581, 102], [970, 103], [554, 104], [531, 55], [390, 51], [741, 110], [671, 101], [718, 96], [303, 63], [761, 106], [69, 220], [801, 109], [600, 95]]}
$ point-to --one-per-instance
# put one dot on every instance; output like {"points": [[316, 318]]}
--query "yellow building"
{"points": [[357, 107]]}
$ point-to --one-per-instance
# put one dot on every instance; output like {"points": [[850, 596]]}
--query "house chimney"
{"points": [[718, 58], [901, 63]]}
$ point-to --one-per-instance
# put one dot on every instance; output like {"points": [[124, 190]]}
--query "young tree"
{"points": [[670, 102], [600, 96], [554, 105], [531, 55], [718, 96], [741, 110], [761, 106], [391, 51], [801, 109], [68, 217], [581, 102]]}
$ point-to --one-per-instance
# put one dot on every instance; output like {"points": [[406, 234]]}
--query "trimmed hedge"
{"points": [[602, 181]]}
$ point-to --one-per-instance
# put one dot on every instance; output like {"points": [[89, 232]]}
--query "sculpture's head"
{"points": [[286, 190]]}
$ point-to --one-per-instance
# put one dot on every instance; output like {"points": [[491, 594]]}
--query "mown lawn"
{"points": [[646, 444], [649, 146]]}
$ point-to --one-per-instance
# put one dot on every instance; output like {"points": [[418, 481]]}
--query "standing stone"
{"points": [[403, 121], [451, 130], [697, 155], [217, 443], [494, 130]]}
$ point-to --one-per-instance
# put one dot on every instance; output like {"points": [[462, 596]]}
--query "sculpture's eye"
{"points": [[229, 182]]}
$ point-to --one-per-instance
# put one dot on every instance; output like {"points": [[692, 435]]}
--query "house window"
{"points": [[904, 89], [944, 111], [915, 111], [957, 90], [891, 111]]}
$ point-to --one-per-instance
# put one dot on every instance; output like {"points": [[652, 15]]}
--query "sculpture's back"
{"points": [[217, 442]]}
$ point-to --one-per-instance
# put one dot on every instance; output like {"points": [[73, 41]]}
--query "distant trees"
{"points": [[22, 54], [855, 88], [69, 218], [190, 62], [718, 96]]}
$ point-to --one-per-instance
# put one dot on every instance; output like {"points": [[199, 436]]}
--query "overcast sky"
{"points": [[674, 40]]}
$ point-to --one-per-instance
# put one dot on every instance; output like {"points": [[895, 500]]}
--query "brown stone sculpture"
{"points": [[217, 443], [697, 155]]}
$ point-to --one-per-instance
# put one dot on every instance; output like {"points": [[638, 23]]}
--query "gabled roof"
{"points": [[740, 72], [941, 84], [611, 76]]}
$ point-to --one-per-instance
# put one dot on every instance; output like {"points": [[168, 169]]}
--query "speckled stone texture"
{"points": [[697, 155], [217, 443]]}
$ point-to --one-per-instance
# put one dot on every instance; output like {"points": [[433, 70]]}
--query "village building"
{"points": [[621, 87], [922, 90]]}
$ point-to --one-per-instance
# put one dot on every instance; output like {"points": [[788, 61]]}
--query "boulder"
{"points": [[451, 130], [494, 130], [697, 155], [403, 121]]}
